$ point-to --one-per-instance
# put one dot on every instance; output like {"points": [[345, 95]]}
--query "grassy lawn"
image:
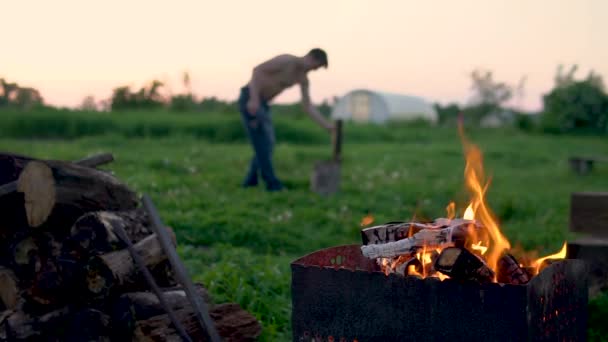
{"points": [[239, 242]]}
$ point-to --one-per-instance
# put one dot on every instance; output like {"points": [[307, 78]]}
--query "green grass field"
{"points": [[240, 243]]}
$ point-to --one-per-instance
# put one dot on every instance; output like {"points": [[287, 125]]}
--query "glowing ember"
{"points": [[367, 220]]}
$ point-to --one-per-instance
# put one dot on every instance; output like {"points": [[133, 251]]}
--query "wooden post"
{"points": [[200, 307], [589, 213], [337, 141]]}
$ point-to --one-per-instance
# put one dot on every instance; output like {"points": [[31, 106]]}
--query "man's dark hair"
{"points": [[319, 55]]}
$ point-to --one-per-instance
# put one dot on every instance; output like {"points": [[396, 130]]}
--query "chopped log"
{"points": [[460, 264], [231, 321], [47, 288], [18, 325], [11, 166], [95, 232], [116, 271], [459, 233], [25, 256], [9, 291], [58, 193], [509, 272], [137, 306], [87, 325]]}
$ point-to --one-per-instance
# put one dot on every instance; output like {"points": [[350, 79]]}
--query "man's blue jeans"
{"points": [[261, 134]]}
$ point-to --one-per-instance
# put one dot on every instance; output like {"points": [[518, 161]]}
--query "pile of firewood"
{"points": [[447, 246], [66, 273]]}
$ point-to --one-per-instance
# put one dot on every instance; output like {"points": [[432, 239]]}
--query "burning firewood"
{"points": [[457, 233], [458, 263], [60, 192], [509, 271]]}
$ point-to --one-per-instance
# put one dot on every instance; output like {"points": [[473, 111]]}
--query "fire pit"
{"points": [[340, 295], [452, 278]]}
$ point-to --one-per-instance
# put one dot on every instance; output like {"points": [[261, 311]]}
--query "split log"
{"points": [[459, 233], [18, 325], [47, 288], [58, 193], [95, 232], [509, 272], [87, 325], [117, 271], [460, 264], [231, 321], [137, 306], [9, 291], [25, 256], [58, 325]]}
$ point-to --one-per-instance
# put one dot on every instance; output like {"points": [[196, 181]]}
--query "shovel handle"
{"points": [[337, 141]]}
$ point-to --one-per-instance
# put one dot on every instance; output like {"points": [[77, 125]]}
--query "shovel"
{"points": [[325, 178]]}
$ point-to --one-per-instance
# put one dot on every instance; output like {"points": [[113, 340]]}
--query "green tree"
{"points": [[573, 105]]}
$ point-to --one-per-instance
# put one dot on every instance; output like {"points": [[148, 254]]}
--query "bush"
{"points": [[576, 106]]}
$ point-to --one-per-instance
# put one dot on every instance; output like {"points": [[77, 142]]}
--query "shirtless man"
{"points": [[268, 80]]}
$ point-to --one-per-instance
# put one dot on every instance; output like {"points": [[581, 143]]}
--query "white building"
{"points": [[364, 105]]}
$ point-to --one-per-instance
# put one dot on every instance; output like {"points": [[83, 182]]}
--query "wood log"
{"points": [[58, 325], [231, 321], [509, 272], [20, 326], [116, 271], [460, 233], [47, 287], [95, 232], [137, 306], [58, 193], [9, 290], [87, 325], [11, 166], [460, 264]]}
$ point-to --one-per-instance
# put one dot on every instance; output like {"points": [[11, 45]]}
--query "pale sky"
{"points": [[72, 48]]}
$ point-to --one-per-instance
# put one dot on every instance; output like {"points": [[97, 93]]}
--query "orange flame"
{"points": [[367, 220], [479, 247], [469, 214], [559, 255], [451, 210], [475, 180]]}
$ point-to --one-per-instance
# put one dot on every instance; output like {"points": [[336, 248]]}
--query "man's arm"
{"points": [[310, 108]]}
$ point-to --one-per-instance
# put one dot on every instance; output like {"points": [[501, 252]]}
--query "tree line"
{"points": [[573, 105]]}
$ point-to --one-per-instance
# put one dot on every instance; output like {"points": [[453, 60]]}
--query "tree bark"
{"points": [[58, 193]]}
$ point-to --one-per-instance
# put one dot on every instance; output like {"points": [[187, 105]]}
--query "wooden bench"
{"points": [[589, 217], [584, 165]]}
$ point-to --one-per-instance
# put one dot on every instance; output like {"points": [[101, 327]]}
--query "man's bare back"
{"points": [[278, 74], [270, 78]]}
